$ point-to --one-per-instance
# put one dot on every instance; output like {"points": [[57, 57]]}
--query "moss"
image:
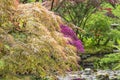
{"points": [[92, 59], [99, 50]]}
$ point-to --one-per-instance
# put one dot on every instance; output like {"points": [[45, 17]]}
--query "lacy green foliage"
{"points": [[116, 11], [98, 29], [115, 34], [34, 44], [110, 61]]}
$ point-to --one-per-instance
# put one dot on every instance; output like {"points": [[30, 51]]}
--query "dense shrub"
{"points": [[31, 41]]}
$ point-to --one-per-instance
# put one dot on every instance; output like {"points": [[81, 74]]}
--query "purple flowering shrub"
{"points": [[68, 32]]}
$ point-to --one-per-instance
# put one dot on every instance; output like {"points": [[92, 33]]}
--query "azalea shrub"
{"points": [[68, 32]]}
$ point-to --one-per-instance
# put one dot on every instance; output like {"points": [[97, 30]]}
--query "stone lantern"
{"points": [[114, 25]]}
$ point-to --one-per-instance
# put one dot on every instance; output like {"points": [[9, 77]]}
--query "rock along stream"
{"points": [[89, 74]]}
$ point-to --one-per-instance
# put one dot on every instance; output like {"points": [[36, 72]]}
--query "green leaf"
{"points": [[2, 64]]}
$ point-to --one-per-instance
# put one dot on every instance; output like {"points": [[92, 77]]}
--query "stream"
{"points": [[89, 74]]}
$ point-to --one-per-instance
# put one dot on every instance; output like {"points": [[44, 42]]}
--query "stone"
{"points": [[87, 71], [113, 78], [89, 74], [102, 77]]}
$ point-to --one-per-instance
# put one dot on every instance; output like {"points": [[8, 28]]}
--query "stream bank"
{"points": [[91, 59], [89, 74]]}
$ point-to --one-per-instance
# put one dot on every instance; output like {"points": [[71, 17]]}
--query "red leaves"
{"points": [[108, 9], [110, 14]]}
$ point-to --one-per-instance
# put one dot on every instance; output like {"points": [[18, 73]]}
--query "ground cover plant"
{"points": [[111, 61]]}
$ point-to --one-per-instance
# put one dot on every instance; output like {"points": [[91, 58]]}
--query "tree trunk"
{"points": [[52, 5], [37, 1], [106, 42], [98, 42]]}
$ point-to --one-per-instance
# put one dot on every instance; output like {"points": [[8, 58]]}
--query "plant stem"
{"points": [[52, 5], [106, 42]]}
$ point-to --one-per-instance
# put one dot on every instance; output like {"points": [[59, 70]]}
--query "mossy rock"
{"points": [[99, 50], [92, 59]]}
